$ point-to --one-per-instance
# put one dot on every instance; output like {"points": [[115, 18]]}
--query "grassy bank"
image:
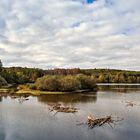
{"points": [[4, 90], [38, 92]]}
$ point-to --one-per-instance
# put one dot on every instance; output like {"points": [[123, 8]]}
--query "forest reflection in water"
{"points": [[68, 98], [87, 97], [0, 98], [124, 88]]}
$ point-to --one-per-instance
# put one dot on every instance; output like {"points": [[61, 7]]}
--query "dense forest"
{"points": [[20, 75], [101, 75]]}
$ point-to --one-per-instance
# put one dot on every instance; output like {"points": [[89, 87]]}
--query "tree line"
{"points": [[20, 75], [101, 75]]}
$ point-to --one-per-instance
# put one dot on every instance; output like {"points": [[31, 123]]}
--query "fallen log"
{"points": [[60, 108], [130, 103]]}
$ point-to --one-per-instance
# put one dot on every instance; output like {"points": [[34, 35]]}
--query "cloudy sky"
{"points": [[70, 33]]}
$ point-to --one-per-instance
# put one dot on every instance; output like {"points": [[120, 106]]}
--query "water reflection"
{"points": [[2, 135], [68, 98], [0, 99], [124, 88], [33, 121]]}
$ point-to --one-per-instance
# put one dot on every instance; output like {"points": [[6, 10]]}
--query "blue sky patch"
{"points": [[90, 1]]}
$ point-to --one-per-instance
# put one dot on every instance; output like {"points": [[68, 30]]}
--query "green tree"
{"points": [[69, 83], [87, 82], [47, 83], [0, 66]]}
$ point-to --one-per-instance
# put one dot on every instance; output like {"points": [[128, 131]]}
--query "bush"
{"points": [[87, 82], [47, 83], [20, 87], [3, 82], [64, 83], [32, 86], [69, 83], [26, 86]]}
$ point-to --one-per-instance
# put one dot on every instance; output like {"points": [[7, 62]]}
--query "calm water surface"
{"points": [[32, 120]]}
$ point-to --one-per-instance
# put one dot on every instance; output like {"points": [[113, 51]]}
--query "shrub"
{"points": [[32, 86], [47, 83], [69, 83], [87, 82], [64, 83]]}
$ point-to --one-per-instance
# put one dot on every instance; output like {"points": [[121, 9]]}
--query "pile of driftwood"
{"points": [[130, 103], [60, 108], [22, 99], [93, 122]]}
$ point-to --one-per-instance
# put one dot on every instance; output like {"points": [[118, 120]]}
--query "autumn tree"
{"points": [[101, 78]]}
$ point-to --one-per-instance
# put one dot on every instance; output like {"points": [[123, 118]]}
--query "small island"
{"points": [[59, 84]]}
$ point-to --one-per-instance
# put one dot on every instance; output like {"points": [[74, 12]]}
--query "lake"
{"points": [[32, 119]]}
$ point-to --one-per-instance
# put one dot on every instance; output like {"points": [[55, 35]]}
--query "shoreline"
{"points": [[14, 91]]}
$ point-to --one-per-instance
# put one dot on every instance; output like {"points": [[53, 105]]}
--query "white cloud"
{"points": [[70, 33]]}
